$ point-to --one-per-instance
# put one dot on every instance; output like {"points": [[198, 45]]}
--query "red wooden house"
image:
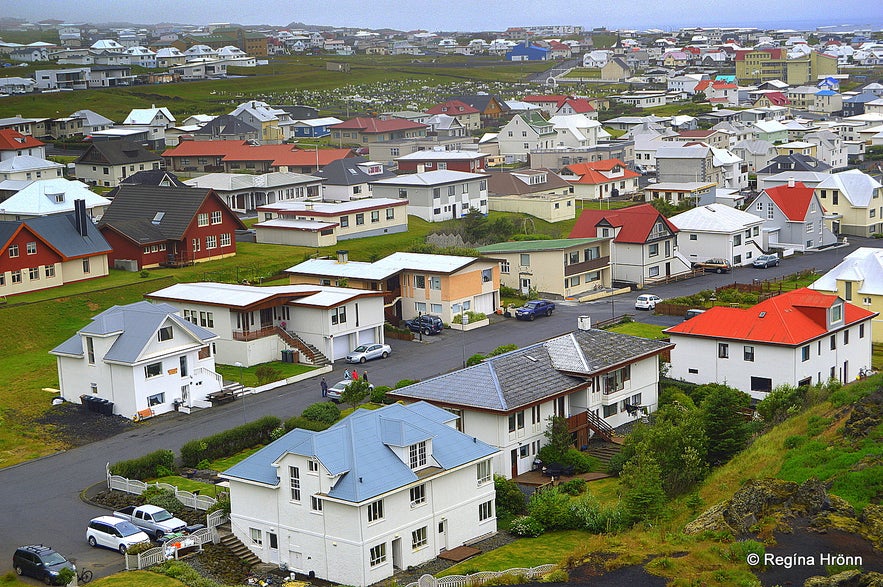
{"points": [[169, 226]]}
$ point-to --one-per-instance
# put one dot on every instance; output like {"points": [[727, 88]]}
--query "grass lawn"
{"points": [[185, 484], [877, 355], [227, 462], [585, 72], [137, 579], [639, 329], [526, 552], [248, 374]]}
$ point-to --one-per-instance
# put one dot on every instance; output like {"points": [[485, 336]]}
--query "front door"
{"points": [[442, 535], [397, 553], [668, 269], [525, 285], [514, 455]]}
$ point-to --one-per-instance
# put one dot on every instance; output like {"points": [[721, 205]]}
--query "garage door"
{"points": [[367, 336], [484, 303], [341, 346]]}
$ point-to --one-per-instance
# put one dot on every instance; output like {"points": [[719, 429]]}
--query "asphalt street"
{"points": [[40, 498]]}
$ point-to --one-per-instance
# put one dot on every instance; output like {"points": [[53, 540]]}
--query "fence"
{"points": [[191, 500], [480, 578], [167, 551]]}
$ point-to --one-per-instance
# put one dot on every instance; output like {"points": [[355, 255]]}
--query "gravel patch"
{"points": [[74, 425]]}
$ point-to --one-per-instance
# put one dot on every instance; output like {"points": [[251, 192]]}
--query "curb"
{"points": [[88, 493]]}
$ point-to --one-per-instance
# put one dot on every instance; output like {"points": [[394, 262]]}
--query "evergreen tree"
{"points": [[355, 393], [726, 429], [644, 498]]}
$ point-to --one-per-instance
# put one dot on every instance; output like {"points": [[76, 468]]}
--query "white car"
{"points": [[646, 302], [114, 533], [366, 352], [336, 390]]}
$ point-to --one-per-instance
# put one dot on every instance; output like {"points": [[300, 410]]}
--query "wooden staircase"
{"points": [[599, 426], [234, 545], [603, 450], [312, 354]]}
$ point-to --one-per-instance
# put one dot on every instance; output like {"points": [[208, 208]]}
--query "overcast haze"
{"points": [[468, 15]]}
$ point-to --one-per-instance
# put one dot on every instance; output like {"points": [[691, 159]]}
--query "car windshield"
{"points": [[531, 304], [360, 349], [52, 558], [127, 528], [162, 516]]}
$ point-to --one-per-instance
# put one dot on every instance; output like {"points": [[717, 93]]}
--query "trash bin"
{"points": [[107, 408], [287, 356], [295, 356]]}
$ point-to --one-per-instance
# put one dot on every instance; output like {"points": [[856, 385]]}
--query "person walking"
{"points": [[365, 376], [346, 374], [324, 386], [355, 374]]}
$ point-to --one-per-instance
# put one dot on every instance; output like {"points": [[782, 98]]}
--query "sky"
{"points": [[467, 15]]}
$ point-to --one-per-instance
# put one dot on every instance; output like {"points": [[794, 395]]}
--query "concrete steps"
{"points": [[234, 545]]}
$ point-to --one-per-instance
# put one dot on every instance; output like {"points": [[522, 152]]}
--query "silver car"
{"points": [[366, 352], [336, 391]]}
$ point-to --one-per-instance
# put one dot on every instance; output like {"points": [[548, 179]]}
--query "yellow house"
{"points": [[798, 147], [858, 279], [537, 192], [854, 200]]}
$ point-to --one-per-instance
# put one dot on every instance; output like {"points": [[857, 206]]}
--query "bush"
{"points": [[304, 424], [222, 504], [592, 517], [551, 508], [406, 382], [573, 487], [164, 498], [323, 412], [140, 547], [556, 576], [473, 317], [503, 349], [475, 359], [641, 479], [580, 461], [267, 374], [780, 403], [526, 526], [163, 471], [378, 394], [183, 572], [146, 467], [794, 441], [510, 499], [229, 442]]}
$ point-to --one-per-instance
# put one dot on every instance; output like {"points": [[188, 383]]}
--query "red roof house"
{"points": [[601, 179], [373, 130], [233, 156], [13, 144]]}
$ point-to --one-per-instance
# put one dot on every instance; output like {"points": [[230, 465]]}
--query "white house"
{"points": [[596, 379], [575, 130], [801, 337], [52, 196], [436, 195], [254, 325], [717, 230], [379, 491], [138, 357], [524, 133]]}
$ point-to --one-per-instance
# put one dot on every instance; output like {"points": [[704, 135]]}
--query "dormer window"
{"points": [[417, 455], [836, 313]]}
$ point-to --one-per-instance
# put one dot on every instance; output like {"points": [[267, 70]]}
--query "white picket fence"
{"points": [[480, 578], [191, 500], [154, 556]]}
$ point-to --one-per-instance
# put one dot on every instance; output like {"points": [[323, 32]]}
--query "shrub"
{"points": [[556, 576], [580, 461], [551, 508], [473, 317], [145, 274], [324, 412], [164, 498], [223, 504], [593, 517], [163, 471], [510, 499], [140, 547], [475, 359], [780, 403], [304, 424], [229, 442], [146, 467], [65, 576], [378, 394], [643, 497], [505, 348], [794, 441], [405, 383], [183, 572], [573, 487], [267, 374], [526, 526]]}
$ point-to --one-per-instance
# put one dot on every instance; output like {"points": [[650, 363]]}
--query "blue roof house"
{"points": [[138, 357], [380, 490], [527, 52]]}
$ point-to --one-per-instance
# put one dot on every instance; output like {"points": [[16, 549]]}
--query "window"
{"points": [[486, 275], [378, 554], [653, 272], [434, 282], [417, 455], [845, 337], [761, 384], [748, 353], [360, 219], [165, 333], [32, 248], [390, 213], [861, 330], [836, 313], [256, 536], [418, 495], [610, 410], [420, 307], [206, 319], [294, 482], [338, 315], [315, 503], [182, 363], [152, 370], [155, 400], [654, 249], [216, 217], [737, 240], [34, 273], [86, 268], [420, 281], [90, 350], [313, 466], [49, 271], [418, 538], [504, 267], [16, 276], [833, 340], [344, 221], [615, 381], [483, 471], [723, 350], [525, 259], [485, 511], [13, 251], [274, 540], [196, 246], [694, 237], [375, 510], [202, 219], [435, 308], [375, 216], [211, 242], [804, 353], [516, 421]]}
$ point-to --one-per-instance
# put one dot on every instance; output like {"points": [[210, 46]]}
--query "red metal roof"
{"points": [[12, 140], [792, 201], [793, 318], [278, 155], [635, 223], [590, 172], [579, 105], [375, 125], [453, 108]]}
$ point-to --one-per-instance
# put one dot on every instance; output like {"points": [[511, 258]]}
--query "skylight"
{"points": [[157, 218]]}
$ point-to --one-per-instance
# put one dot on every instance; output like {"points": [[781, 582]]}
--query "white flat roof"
{"points": [[332, 208], [442, 155], [241, 296], [296, 224], [384, 267], [431, 178]]}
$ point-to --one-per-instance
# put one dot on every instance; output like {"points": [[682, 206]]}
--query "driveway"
{"points": [[41, 498]]}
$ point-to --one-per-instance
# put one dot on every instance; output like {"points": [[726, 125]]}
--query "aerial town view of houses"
{"points": [[410, 299]]}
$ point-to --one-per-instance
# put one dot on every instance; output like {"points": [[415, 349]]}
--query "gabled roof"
{"points": [[248, 297], [794, 162], [793, 201], [51, 196], [27, 163], [148, 214], [121, 152], [511, 182], [146, 115], [375, 125], [153, 177], [12, 140], [856, 186], [714, 218], [136, 326], [593, 172], [535, 373], [385, 267], [635, 223], [360, 450], [91, 118], [453, 108], [790, 319], [864, 265], [481, 101], [59, 232], [226, 125], [579, 105], [431, 178], [349, 172], [276, 155]]}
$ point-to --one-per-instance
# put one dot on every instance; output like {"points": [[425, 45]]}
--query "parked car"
{"points": [[646, 302], [692, 313], [366, 352], [114, 533], [534, 308], [427, 324], [40, 562], [766, 261], [336, 390], [154, 520], [716, 264]]}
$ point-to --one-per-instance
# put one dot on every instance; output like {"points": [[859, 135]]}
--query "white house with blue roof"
{"points": [[140, 356], [379, 491]]}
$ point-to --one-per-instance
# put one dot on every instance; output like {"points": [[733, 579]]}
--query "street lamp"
{"points": [[464, 320], [241, 390]]}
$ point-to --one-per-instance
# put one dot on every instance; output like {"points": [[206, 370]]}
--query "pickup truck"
{"points": [[534, 308], [152, 519]]}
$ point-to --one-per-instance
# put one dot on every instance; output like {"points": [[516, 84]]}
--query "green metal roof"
{"points": [[538, 245]]}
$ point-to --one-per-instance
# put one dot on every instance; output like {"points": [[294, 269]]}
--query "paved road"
{"points": [[40, 498]]}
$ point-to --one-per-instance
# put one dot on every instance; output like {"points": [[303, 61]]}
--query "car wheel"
{"points": [[18, 571], [548, 312], [384, 355], [47, 579], [532, 317], [718, 270], [122, 549], [426, 331], [92, 542], [159, 535], [362, 360]]}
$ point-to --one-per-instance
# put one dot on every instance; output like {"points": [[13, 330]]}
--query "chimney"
{"points": [[421, 168], [790, 182], [80, 217], [309, 206], [584, 322], [343, 256]]}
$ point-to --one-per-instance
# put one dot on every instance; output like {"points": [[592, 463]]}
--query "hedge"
{"points": [[144, 467], [229, 442], [305, 424]]}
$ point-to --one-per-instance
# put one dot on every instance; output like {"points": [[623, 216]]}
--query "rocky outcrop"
{"points": [[866, 414], [851, 578]]}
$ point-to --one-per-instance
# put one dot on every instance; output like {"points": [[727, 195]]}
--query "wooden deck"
{"points": [[536, 478], [461, 553]]}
